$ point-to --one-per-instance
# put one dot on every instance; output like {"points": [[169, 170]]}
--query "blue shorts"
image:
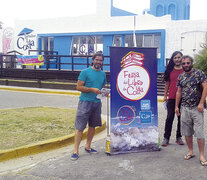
{"points": [[88, 113]]}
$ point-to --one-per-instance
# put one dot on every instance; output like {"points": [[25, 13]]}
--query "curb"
{"points": [[41, 91], [159, 99], [44, 145]]}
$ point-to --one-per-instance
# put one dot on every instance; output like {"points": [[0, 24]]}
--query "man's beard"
{"points": [[97, 66], [188, 70]]}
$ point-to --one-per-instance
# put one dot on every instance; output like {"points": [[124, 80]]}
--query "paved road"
{"points": [[15, 99], [56, 165]]}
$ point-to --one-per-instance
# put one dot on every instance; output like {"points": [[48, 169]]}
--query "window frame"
{"points": [[86, 45]]}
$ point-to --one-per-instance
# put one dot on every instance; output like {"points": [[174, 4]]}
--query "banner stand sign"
{"points": [[133, 103]]}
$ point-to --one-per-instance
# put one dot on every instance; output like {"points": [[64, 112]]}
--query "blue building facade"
{"points": [[78, 44], [178, 9], [86, 43]]}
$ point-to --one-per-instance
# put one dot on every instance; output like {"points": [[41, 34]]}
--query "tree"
{"points": [[201, 57]]}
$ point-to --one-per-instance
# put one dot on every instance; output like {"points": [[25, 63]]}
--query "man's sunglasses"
{"points": [[186, 63]]}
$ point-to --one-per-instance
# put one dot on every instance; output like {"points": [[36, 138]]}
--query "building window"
{"points": [[86, 45], [159, 10], [47, 45], [117, 41], [157, 42], [139, 40], [172, 11], [148, 41], [129, 41], [99, 43], [144, 40]]}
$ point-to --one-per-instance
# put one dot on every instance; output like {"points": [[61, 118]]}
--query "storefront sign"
{"points": [[25, 43], [26, 40]]}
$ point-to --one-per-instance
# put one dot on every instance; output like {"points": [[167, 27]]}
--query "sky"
{"points": [[40, 9]]}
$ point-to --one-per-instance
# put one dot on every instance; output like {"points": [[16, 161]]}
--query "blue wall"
{"points": [[119, 12], [179, 9], [62, 44], [107, 42], [161, 60]]}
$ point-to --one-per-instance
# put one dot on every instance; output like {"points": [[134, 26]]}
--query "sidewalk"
{"points": [[56, 165]]}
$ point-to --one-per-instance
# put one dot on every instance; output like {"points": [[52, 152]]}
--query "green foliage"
{"points": [[201, 57]]}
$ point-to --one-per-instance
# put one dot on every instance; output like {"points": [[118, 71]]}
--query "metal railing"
{"points": [[51, 62], [62, 67]]}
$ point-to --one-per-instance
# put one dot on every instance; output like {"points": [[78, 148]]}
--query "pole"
{"points": [[134, 35], [107, 109], [108, 138]]}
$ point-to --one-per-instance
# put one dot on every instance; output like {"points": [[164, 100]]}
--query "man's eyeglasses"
{"points": [[98, 60], [186, 63]]}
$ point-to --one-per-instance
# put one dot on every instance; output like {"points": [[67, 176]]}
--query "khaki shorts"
{"points": [[192, 122]]}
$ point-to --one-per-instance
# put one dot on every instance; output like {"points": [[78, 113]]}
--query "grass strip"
{"points": [[24, 126]]}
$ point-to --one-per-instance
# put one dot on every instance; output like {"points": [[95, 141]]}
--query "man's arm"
{"points": [[203, 97], [177, 102], [80, 87]]}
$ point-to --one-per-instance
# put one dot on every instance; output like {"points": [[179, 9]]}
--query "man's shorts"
{"points": [[192, 122], [88, 112]]}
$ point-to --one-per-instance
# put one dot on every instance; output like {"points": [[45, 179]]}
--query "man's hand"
{"points": [[203, 97], [200, 107], [95, 90], [177, 111], [82, 88], [107, 94]]}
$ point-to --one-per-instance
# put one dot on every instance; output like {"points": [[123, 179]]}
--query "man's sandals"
{"points": [[189, 156], [203, 163]]}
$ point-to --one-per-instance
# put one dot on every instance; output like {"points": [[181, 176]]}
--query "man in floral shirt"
{"points": [[192, 106]]}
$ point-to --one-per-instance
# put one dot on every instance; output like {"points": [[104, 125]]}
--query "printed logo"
{"points": [[133, 80], [126, 115], [132, 58], [26, 39], [145, 116], [145, 105]]}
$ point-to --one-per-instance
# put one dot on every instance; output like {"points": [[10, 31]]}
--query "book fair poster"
{"points": [[134, 117], [30, 60]]}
